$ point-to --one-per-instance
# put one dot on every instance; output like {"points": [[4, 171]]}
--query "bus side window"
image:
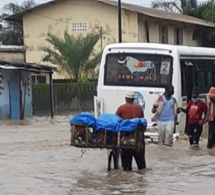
{"points": [[203, 71], [183, 78]]}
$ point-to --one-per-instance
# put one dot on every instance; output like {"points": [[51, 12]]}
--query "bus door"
{"points": [[187, 86]]}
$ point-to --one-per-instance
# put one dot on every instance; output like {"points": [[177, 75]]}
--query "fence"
{"points": [[68, 97]]}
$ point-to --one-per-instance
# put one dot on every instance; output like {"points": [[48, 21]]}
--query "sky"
{"points": [[146, 3]]}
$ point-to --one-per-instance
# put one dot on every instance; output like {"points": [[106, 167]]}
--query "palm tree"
{"points": [[203, 10], [12, 33], [187, 7], [73, 55]]}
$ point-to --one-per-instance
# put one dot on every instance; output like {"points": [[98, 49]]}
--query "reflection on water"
{"points": [[35, 158]]}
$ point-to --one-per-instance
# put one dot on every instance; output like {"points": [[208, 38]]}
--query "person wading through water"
{"points": [[195, 109], [211, 118], [129, 110], [165, 109]]}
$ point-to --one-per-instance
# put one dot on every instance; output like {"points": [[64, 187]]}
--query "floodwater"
{"points": [[36, 159]]}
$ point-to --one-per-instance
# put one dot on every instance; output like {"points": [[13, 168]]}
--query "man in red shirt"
{"points": [[130, 110], [195, 109]]}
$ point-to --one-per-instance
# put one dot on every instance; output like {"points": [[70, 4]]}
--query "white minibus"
{"points": [[146, 68]]}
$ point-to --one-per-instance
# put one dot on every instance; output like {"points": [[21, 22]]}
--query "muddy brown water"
{"points": [[36, 159]]}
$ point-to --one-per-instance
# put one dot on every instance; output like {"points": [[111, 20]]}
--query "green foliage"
{"points": [[64, 94], [12, 33], [188, 7], [74, 55], [203, 10], [83, 79], [171, 6], [64, 88]]}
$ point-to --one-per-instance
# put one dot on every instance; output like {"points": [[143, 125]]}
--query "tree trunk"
{"points": [[79, 97], [76, 77]]}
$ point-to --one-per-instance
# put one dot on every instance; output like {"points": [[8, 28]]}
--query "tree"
{"points": [[12, 32], [187, 7], [203, 11], [73, 55]]}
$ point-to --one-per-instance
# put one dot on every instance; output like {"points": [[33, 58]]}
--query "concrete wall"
{"points": [[55, 18], [66, 98], [12, 53], [12, 56], [153, 26]]}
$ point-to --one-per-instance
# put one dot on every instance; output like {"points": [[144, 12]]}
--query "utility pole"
{"points": [[119, 22], [100, 29], [101, 34]]}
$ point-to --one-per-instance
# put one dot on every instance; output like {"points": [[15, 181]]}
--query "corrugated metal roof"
{"points": [[18, 16], [26, 66], [12, 48], [161, 14], [131, 7]]}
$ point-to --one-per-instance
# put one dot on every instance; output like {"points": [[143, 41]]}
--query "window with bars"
{"points": [[202, 74], [79, 26], [178, 36], [163, 34]]}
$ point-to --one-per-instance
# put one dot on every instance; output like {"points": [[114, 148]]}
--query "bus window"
{"points": [[203, 74], [132, 69]]}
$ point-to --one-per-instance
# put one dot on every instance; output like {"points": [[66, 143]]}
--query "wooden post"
{"points": [[118, 139], [87, 131], [20, 93], [119, 22], [105, 138], [51, 95], [10, 107], [72, 130]]}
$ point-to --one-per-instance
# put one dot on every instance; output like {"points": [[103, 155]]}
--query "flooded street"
{"points": [[36, 159]]}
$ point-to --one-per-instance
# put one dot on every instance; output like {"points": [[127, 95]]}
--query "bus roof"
{"points": [[181, 49]]}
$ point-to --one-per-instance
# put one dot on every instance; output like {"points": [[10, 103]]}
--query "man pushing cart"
{"points": [[115, 132]]}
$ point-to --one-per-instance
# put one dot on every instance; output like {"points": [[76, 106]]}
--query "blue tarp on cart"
{"points": [[109, 122], [132, 124], [85, 119]]}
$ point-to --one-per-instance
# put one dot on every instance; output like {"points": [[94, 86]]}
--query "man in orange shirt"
{"points": [[130, 110]]}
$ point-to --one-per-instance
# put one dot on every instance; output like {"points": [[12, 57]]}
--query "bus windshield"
{"points": [[137, 69]]}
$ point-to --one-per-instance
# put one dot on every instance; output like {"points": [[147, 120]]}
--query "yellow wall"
{"points": [[55, 18], [12, 56], [153, 25], [188, 37]]}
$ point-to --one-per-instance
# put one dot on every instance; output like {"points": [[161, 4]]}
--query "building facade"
{"points": [[16, 89], [139, 24]]}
